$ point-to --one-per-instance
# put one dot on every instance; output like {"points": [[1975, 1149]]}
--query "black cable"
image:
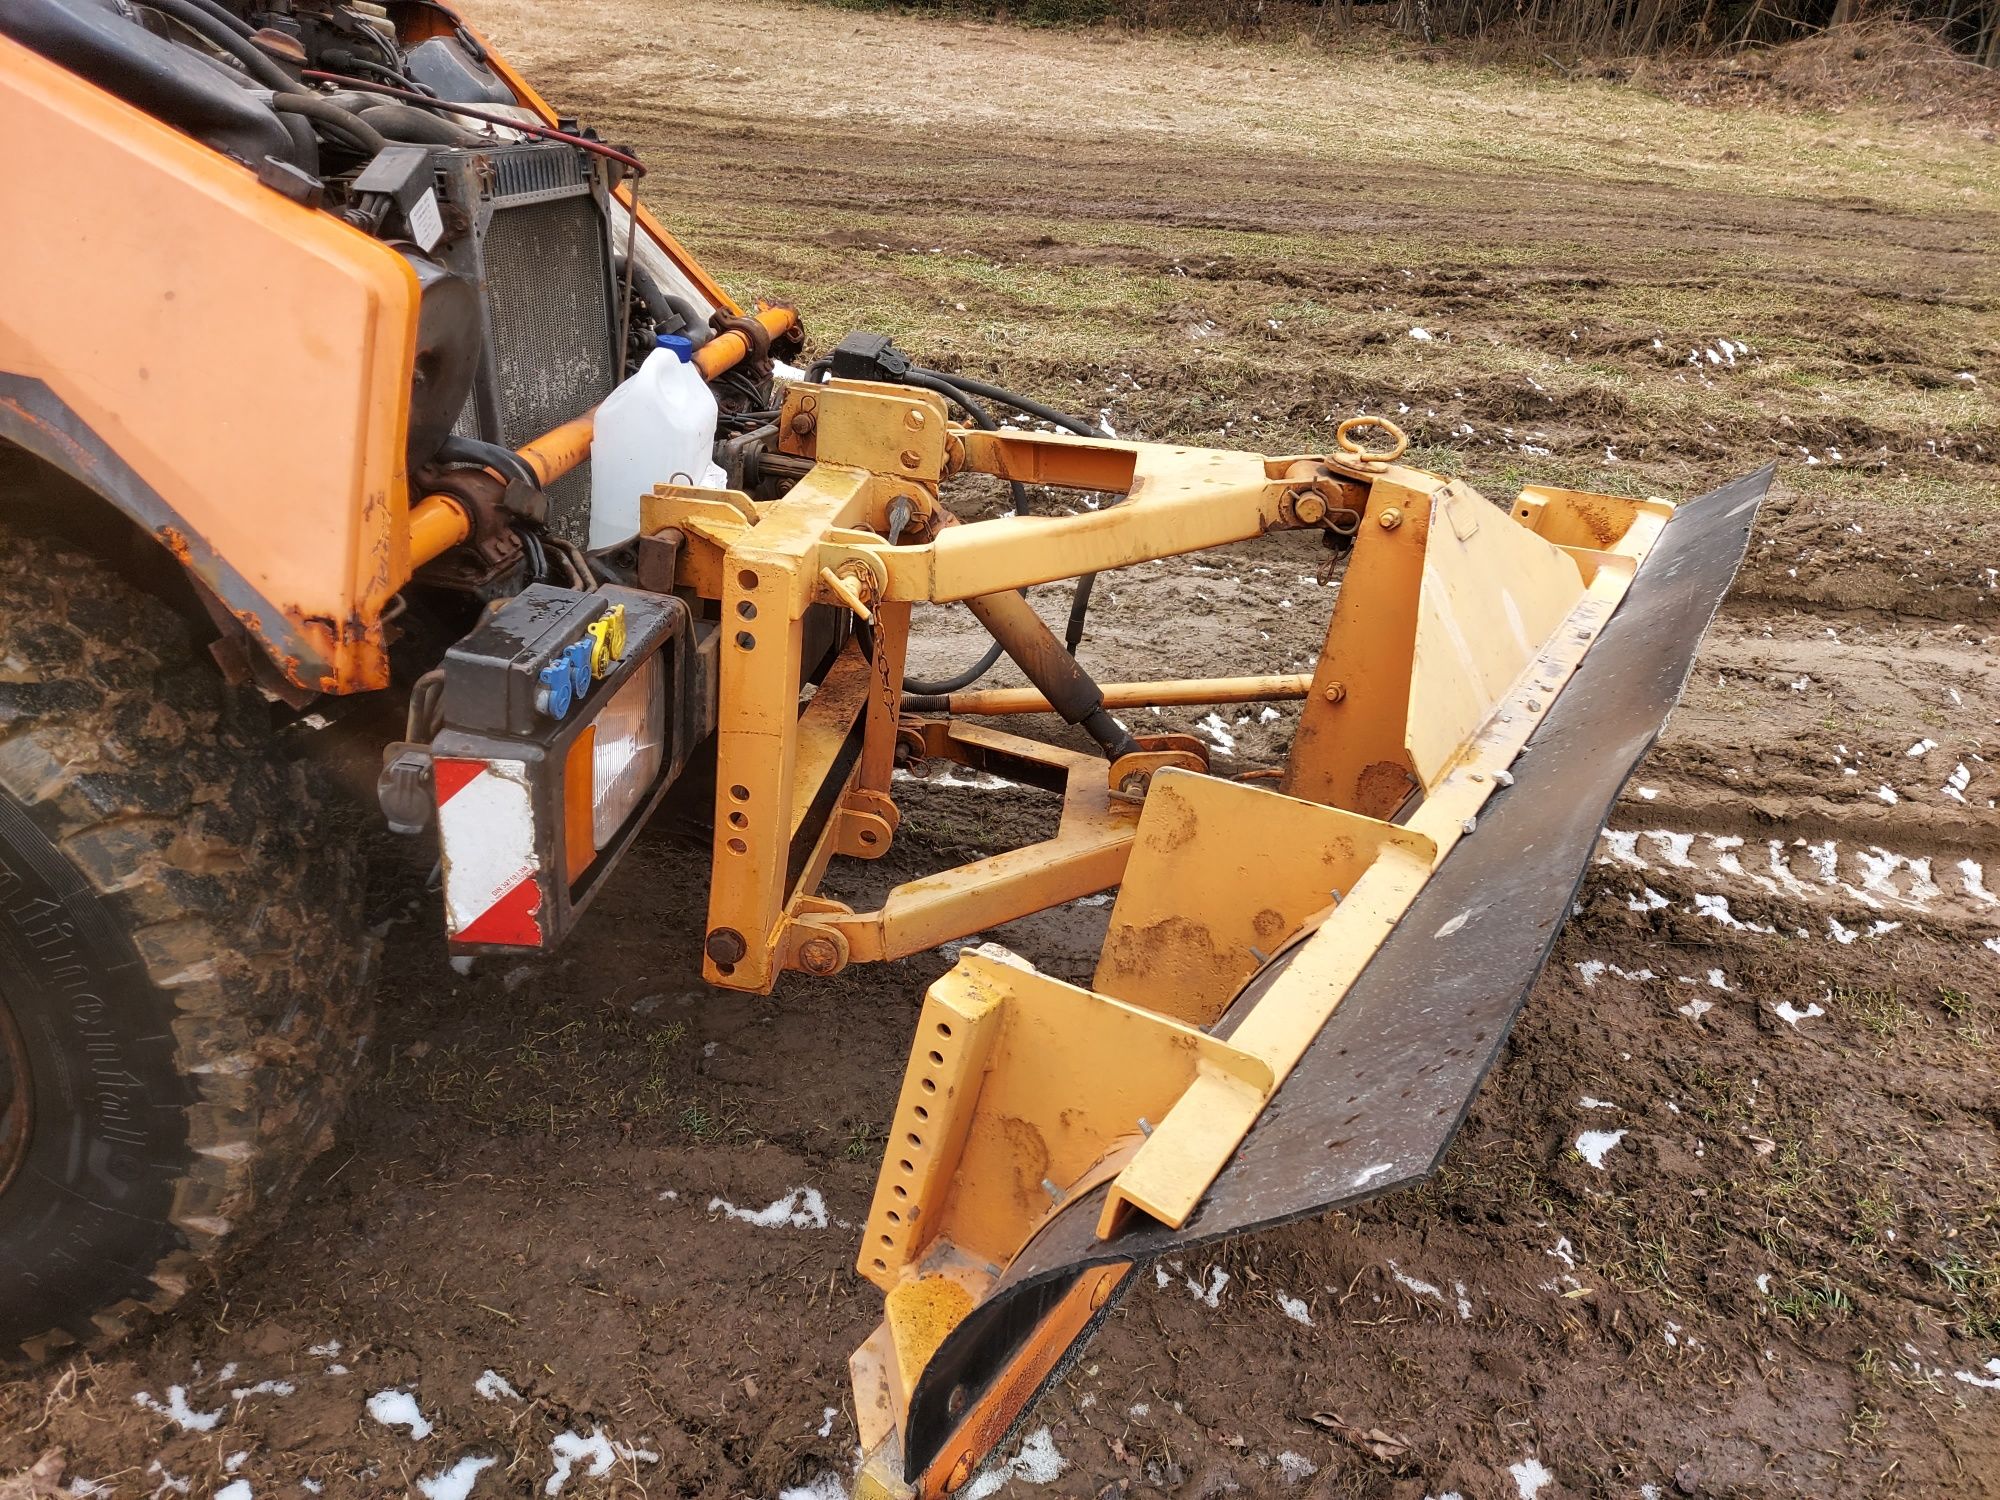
{"points": [[254, 59]]}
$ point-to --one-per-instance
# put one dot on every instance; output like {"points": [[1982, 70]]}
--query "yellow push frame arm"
{"points": [[796, 787]]}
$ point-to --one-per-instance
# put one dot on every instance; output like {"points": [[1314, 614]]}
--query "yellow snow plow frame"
{"points": [[1455, 626]]}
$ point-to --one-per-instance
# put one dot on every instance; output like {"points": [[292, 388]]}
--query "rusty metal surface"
{"points": [[1380, 1094], [35, 418]]}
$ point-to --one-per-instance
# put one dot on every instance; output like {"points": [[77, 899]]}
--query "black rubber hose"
{"points": [[1079, 611], [1079, 604], [331, 115], [943, 385], [406, 122], [459, 449], [1019, 402], [227, 17], [259, 63]]}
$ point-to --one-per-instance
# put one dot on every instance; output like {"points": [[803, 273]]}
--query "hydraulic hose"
{"points": [[1020, 403], [254, 59], [331, 115], [1079, 604], [958, 682]]}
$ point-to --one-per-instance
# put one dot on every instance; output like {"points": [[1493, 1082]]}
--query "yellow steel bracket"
{"points": [[1456, 626]]}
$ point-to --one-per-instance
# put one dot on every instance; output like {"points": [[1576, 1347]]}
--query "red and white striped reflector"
{"points": [[486, 825]]}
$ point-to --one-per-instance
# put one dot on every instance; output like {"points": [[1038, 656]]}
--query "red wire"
{"points": [[546, 132]]}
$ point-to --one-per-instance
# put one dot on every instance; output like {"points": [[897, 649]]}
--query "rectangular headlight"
{"points": [[630, 745]]}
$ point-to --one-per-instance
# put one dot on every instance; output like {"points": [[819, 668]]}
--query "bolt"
{"points": [[726, 946], [820, 955], [914, 419], [1135, 784], [803, 423], [1308, 508], [911, 458], [1391, 518], [1334, 692]]}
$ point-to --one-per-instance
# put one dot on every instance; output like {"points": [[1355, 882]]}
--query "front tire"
{"points": [[181, 956]]}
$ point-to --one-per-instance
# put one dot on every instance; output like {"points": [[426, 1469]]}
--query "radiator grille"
{"points": [[548, 306]]}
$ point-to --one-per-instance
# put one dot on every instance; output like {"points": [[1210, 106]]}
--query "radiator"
{"points": [[541, 255]]}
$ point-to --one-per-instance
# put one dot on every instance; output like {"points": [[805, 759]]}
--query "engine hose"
{"points": [[459, 449], [227, 17], [254, 59], [406, 122], [331, 115]]}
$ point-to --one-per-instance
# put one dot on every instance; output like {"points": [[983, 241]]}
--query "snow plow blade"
{"points": [[1184, 1105]]}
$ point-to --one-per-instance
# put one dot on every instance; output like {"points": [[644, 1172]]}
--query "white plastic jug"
{"points": [[656, 428]]}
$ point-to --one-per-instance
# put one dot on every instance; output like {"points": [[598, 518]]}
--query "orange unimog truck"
{"points": [[309, 315]]}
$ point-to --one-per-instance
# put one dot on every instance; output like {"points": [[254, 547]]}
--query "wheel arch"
{"points": [[112, 505]]}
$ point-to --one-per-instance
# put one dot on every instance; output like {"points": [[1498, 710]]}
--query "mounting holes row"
{"points": [[738, 819]]}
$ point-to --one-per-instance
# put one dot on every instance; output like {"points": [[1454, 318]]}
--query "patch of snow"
{"points": [[1036, 1463], [456, 1482], [393, 1408], [1383, 1168], [1649, 793], [1920, 749], [1594, 1145], [1464, 1302], [1216, 730], [1421, 1288], [801, 1208], [826, 1416], [1586, 1102], [571, 1448], [1791, 1016], [826, 1487], [1529, 1477], [494, 1387], [1992, 1369], [1422, 335], [177, 1410], [236, 1489], [1271, 716], [263, 1388], [1295, 1308], [1217, 1280], [1696, 1008], [1887, 794], [1295, 1468], [328, 1350]]}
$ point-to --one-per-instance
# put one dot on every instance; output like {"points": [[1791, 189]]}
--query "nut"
{"points": [[1334, 692], [1391, 518], [803, 423], [914, 419], [911, 458], [820, 955], [726, 946]]}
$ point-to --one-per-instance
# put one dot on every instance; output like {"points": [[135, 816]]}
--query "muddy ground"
{"points": [[1726, 1218]]}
